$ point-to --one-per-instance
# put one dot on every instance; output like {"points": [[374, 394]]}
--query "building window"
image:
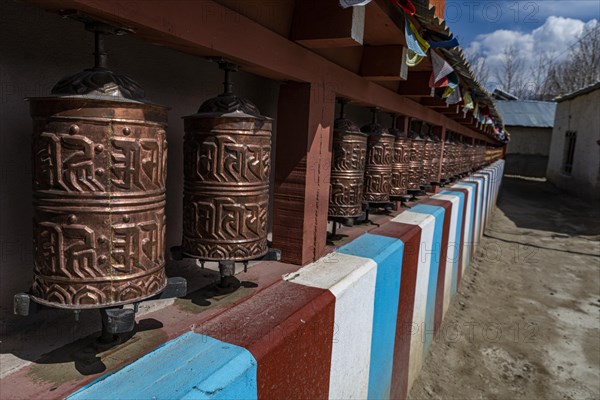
{"points": [[570, 138]]}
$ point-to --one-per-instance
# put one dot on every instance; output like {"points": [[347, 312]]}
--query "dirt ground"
{"points": [[526, 321]]}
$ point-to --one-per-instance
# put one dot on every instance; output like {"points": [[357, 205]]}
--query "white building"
{"points": [[574, 160]]}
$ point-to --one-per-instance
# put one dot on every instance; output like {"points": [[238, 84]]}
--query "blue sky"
{"points": [[486, 28], [468, 19]]}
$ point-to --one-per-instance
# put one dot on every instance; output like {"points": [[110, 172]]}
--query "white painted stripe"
{"points": [[484, 204], [453, 244], [351, 279], [413, 218], [478, 209], [468, 226], [417, 340]]}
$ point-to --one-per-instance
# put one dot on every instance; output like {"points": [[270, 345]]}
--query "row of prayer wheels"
{"points": [[374, 165], [99, 187], [493, 154]]}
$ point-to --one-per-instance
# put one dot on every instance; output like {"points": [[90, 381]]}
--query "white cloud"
{"points": [[555, 36]]}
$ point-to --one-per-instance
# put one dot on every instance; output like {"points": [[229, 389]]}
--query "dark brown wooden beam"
{"points": [[451, 110], [417, 85], [323, 24], [384, 63], [204, 27], [433, 102]]}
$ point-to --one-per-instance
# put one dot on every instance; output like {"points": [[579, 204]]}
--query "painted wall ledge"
{"points": [[357, 323]]}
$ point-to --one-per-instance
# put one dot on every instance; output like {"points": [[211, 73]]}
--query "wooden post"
{"points": [[403, 123], [302, 168]]}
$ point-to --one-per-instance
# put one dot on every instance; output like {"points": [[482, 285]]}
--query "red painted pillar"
{"points": [[302, 168], [403, 123]]}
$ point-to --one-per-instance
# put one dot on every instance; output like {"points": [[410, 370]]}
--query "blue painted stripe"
{"points": [[192, 366], [459, 239], [387, 252], [435, 250]]}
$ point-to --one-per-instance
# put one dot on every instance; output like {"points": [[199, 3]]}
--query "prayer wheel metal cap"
{"points": [[228, 104], [99, 83]]}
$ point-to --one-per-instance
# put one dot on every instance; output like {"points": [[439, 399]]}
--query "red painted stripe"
{"points": [[441, 281], [461, 240], [411, 237], [289, 329]]}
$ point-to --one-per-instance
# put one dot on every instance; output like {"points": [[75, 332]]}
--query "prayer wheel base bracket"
{"points": [[345, 221], [403, 199], [414, 193], [228, 281], [115, 320]]}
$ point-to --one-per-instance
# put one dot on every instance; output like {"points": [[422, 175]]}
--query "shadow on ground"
{"points": [[520, 201]]}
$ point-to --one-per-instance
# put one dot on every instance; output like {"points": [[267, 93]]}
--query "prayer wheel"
{"points": [[415, 167], [99, 170], [378, 168], [464, 158], [349, 151], [227, 162], [427, 161], [435, 161], [446, 160], [401, 161], [471, 158]]}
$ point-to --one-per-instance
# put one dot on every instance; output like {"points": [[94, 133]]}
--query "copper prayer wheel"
{"points": [[480, 156], [446, 161], [378, 168], [401, 161], [437, 154], [451, 147], [464, 158], [415, 166], [227, 162], [427, 161], [471, 158], [349, 151], [99, 170]]}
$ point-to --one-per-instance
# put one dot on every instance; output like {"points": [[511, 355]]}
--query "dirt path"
{"points": [[526, 321]]}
